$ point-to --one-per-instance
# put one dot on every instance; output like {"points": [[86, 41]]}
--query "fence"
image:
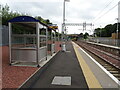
{"points": [[0, 35], [4, 38], [104, 40]]}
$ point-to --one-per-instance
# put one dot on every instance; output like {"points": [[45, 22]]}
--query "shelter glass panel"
{"points": [[23, 35], [42, 37]]}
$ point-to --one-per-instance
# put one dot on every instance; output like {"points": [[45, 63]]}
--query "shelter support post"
{"points": [[10, 42], [46, 41], [37, 51]]}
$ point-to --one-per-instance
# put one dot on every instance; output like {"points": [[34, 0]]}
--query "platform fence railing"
{"points": [[104, 40]]}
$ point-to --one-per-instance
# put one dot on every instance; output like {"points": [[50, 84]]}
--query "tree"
{"points": [[39, 18], [107, 30], [97, 31], [48, 21], [0, 14], [7, 14], [81, 35], [86, 35]]}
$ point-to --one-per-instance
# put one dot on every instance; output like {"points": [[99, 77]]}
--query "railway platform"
{"points": [[73, 68]]}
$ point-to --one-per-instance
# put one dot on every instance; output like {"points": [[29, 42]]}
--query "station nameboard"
{"points": [[53, 26], [119, 11]]}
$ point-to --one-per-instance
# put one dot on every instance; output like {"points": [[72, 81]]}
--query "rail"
{"points": [[106, 56]]}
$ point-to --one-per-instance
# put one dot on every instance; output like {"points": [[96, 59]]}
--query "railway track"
{"points": [[107, 65]]}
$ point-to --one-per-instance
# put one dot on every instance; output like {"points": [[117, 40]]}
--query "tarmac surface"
{"points": [[63, 64], [73, 68]]}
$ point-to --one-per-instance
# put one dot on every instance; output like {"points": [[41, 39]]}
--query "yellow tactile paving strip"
{"points": [[89, 76]]}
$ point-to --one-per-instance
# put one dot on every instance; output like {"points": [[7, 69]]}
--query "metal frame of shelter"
{"points": [[27, 44], [52, 38], [51, 41]]}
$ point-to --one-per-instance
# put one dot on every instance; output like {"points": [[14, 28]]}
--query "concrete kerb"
{"points": [[35, 75]]}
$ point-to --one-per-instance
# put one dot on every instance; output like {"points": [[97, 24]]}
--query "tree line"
{"points": [[107, 30]]}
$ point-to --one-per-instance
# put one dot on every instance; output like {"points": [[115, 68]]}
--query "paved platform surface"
{"points": [[76, 65], [15, 76], [64, 64]]}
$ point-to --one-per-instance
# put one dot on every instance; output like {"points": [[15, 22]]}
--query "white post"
{"points": [[37, 44], [119, 11], [63, 27], [118, 19], [10, 42], [46, 42], [55, 41]]}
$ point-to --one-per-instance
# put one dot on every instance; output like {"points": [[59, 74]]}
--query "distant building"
{"points": [[114, 36]]}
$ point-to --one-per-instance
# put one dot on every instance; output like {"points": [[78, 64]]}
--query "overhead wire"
{"points": [[106, 12], [104, 8], [100, 15]]}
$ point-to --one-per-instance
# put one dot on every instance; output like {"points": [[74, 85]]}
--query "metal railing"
{"points": [[4, 32], [104, 40]]}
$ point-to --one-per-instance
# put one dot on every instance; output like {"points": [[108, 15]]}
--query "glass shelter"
{"points": [[27, 41]]}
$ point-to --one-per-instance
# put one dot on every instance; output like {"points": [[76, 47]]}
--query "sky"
{"points": [[99, 13]]}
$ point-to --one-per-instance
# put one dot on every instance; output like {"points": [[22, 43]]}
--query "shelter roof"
{"points": [[23, 19]]}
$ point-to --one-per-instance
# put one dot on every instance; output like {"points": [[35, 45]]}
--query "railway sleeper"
{"points": [[114, 72], [111, 69], [107, 66], [100, 57]]}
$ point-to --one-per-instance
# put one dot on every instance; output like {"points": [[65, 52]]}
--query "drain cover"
{"points": [[62, 80]]}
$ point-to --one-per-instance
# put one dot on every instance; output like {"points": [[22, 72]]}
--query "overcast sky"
{"points": [[98, 12]]}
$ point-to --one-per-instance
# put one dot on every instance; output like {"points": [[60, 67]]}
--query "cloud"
{"points": [[77, 11]]}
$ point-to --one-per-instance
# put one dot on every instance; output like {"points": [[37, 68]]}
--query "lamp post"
{"points": [[63, 27], [117, 28], [117, 32], [100, 30]]}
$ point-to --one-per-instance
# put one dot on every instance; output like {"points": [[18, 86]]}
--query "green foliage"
{"points": [[0, 10], [7, 14], [18, 29], [47, 21], [107, 30], [42, 20], [86, 35], [81, 34]]}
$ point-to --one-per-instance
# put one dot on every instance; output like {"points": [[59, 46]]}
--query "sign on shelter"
{"points": [[53, 26]]}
